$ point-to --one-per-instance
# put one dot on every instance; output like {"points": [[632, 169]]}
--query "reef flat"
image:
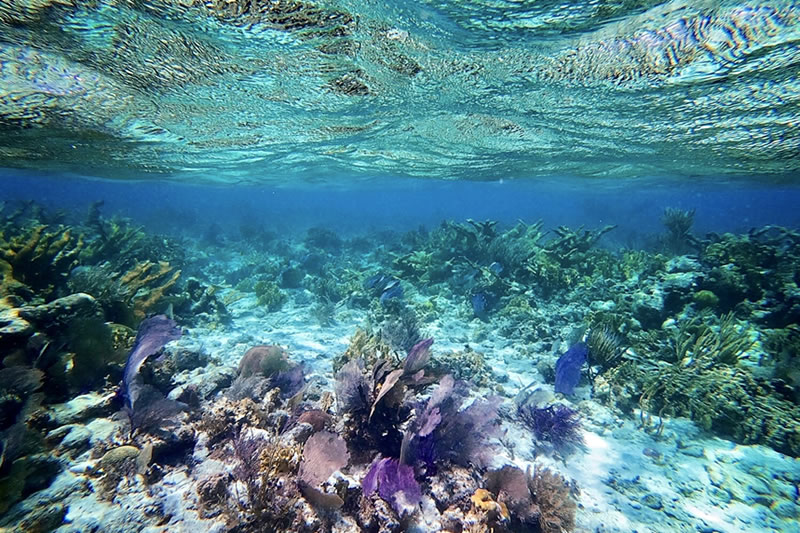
{"points": [[467, 377]]}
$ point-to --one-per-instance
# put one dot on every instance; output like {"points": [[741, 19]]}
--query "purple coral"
{"points": [[153, 334], [418, 356], [445, 431], [352, 390], [558, 424], [323, 454], [395, 483]]}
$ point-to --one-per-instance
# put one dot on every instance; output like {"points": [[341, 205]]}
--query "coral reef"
{"points": [[36, 260], [401, 433], [269, 295], [540, 497]]}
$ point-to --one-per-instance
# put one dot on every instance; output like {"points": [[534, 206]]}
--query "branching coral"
{"points": [[39, 259], [129, 296], [265, 468]]}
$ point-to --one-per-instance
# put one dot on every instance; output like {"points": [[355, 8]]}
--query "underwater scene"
{"points": [[341, 266]]}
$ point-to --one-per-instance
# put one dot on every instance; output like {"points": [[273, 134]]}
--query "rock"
{"points": [[71, 438], [683, 263], [694, 450], [62, 310], [681, 282], [43, 519], [41, 470], [208, 380], [454, 487], [786, 509], [13, 327], [82, 407], [720, 495], [189, 358], [759, 486], [648, 309]]}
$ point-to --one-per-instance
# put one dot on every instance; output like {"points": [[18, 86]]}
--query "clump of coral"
{"points": [[557, 424]]}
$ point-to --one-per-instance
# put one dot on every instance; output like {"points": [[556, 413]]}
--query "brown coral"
{"points": [[483, 500], [539, 497], [142, 276], [369, 347], [38, 259], [555, 506], [263, 360]]}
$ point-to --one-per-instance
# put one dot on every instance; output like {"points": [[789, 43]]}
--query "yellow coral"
{"points": [[483, 500], [143, 305], [37, 258], [368, 347], [142, 275], [279, 459]]}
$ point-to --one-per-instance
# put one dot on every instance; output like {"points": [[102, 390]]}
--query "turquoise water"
{"points": [[231, 229], [234, 92]]}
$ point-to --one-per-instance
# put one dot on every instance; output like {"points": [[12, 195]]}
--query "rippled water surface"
{"points": [[261, 90]]}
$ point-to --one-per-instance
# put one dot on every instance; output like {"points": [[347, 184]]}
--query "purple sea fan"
{"points": [[351, 388], [395, 483], [556, 423], [323, 454], [418, 357], [153, 334]]}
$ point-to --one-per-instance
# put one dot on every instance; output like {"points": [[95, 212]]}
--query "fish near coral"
{"points": [[392, 291], [480, 305], [568, 368]]}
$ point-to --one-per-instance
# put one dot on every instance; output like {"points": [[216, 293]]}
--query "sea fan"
{"points": [[395, 483]]}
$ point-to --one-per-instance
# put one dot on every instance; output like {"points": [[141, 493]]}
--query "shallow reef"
{"points": [[470, 377]]}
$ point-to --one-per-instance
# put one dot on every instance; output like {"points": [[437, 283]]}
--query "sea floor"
{"points": [[631, 474]]}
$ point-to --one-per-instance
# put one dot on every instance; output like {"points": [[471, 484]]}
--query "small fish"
{"points": [[479, 304], [373, 282], [392, 290], [496, 267]]}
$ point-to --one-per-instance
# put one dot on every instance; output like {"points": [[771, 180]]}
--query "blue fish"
{"points": [[376, 281], [393, 290], [480, 304], [496, 267], [568, 368]]}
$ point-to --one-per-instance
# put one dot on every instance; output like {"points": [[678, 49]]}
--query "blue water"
{"points": [[403, 204]]}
